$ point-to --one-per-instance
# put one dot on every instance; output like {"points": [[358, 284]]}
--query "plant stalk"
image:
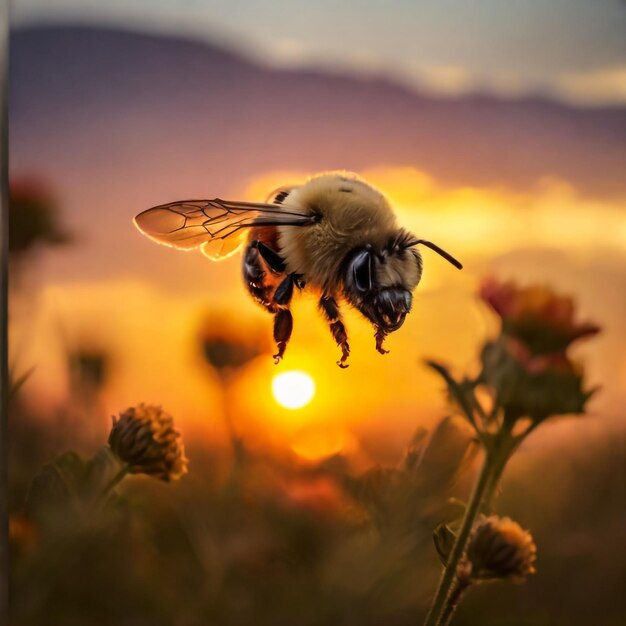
{"points": [[114, 482], [436, 612], [506, 446], [236, 441], [456, 593]]}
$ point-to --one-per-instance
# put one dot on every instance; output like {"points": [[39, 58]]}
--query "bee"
{"points": [[334, 234]]}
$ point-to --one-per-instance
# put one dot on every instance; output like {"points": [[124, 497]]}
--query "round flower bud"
{"points": [[144, 437], [227, 347], [500, 548]]}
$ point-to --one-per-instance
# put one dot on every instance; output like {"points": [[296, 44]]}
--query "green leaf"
{"points": [[415, 450], [16, 383], [100, 471], [461, 393], [444, 538], [58, 485], [63, 490], [444, 452]]}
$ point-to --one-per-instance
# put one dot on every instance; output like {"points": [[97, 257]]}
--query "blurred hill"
{"points": [[162, 100]]}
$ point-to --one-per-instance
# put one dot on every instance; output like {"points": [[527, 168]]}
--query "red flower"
{"points": [[538, 317], [33, 216], [538, 363], [30, 189]]}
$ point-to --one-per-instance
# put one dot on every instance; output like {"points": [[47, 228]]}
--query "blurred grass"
{"points": [[275, 542], [281, 542]]}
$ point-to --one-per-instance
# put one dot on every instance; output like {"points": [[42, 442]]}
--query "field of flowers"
{"points": [[150, 529]]}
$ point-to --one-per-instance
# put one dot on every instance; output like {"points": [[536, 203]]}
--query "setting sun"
{"points": [[293, 389]]}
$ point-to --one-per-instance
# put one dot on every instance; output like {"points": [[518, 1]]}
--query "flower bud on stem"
{"points": [[436, 613]]}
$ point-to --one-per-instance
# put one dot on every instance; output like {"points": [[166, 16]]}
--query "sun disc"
{"points": [[293, 389]]}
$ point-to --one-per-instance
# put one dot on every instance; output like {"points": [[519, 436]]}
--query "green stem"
{"points": [[236, 442], [456, 593], [447, 578], [504, 449], [114, 482], [497, 467]]}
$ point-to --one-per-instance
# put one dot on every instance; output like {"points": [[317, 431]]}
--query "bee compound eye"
{"points": [[408, 300], [362, 270]]}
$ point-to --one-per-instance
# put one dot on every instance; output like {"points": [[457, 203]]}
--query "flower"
{"points": [[33, 216], [534, 386], [144, 437], [527, 365], [88, 367], [538, 363], [535, 315], [500, 548], [226, 347]]}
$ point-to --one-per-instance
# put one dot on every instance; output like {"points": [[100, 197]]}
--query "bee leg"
{"points": [[283, 325], [380, 337], [284, 291], [283, 320], [330, 308], [261, 285], [271, 257]]}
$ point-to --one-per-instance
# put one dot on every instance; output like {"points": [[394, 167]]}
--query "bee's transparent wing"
{"points": [[215, 226]]}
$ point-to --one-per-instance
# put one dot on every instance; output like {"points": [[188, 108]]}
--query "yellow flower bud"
{"points": [[144, 437], [500, 548]]}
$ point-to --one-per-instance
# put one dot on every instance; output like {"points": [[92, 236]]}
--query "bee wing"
{"points": [[217, 227]]}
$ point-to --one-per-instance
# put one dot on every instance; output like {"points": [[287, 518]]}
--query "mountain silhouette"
{"points": [[225, 118]]}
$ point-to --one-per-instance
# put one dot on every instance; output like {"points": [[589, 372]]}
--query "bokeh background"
{"points": [[497, 130]]}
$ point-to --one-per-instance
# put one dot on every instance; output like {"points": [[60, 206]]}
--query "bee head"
{"points": [[380, 283]]}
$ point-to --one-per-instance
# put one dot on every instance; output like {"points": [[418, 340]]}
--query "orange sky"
{"points": [[548, 233]]}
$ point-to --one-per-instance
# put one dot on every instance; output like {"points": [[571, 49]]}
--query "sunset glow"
{"points": [[476, 223], [293, 390]]}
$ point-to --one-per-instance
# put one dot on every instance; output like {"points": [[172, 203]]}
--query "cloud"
{"points": [[549, 232], [602, 86], [446, 79]]}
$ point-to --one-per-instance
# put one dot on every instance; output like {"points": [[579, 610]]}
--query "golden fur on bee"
{"points": [[352, 215]]}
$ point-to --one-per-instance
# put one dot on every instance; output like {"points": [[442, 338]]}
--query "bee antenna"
{"points": [[448, 257]]}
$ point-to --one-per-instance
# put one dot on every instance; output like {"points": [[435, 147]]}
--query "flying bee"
{"points": [[334, 234]]}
